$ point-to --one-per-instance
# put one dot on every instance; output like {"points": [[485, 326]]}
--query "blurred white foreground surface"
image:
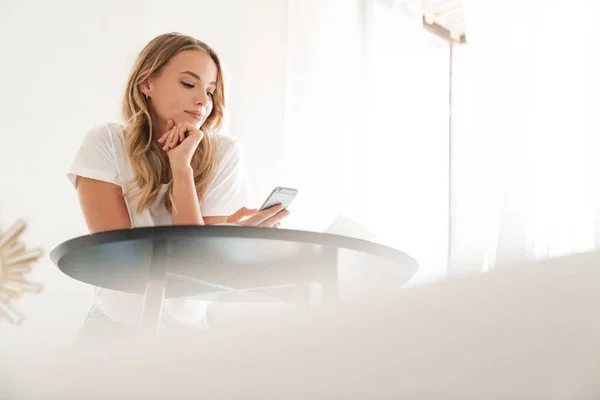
{"points": [[520, 333]]}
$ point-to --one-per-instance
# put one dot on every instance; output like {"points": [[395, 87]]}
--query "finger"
{"points": [[174, 138], [164, 136], [193, 139], [274, 220], [182, 135], [170, 125], [168, 139], [196, 139], [277, 225], [240, 214], [264, 215], [192, 130]]}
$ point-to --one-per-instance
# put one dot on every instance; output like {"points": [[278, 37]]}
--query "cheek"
{"points": [[169, 102], [177, 99]]}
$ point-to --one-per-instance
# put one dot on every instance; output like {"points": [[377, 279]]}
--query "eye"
{"points": [[187, 85], [211, 94]]}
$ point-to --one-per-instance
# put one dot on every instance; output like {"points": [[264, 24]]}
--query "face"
{"points": [[182, 90]]}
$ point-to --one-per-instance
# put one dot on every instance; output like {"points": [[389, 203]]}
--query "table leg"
{"points": [[325, 289], [155, 290]]}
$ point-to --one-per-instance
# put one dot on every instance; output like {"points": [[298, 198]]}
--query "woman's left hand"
{"points": [[269, 218]]}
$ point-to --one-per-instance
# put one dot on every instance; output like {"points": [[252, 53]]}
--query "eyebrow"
{"points": [[197, 76]]}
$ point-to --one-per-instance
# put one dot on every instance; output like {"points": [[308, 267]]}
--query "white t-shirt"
{"points": [[103, 156]]}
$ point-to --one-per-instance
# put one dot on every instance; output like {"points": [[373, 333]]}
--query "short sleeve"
{"points": [[95, 158], [228, 191]]}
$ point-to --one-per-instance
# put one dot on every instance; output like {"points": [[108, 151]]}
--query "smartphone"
{"points": [[280, 195]]}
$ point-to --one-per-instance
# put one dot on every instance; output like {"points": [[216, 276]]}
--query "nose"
{"points": [[202, 99]]}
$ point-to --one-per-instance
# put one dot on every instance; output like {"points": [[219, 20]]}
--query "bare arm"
{"points": [[103, 205], [186, 207], [215, 220]]}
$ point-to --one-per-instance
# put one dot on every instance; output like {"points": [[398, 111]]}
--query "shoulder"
{"points": [[229, 149], [105, 135], [100, 154]]}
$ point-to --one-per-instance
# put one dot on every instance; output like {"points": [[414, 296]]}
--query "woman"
{"points": [[166, 165]]}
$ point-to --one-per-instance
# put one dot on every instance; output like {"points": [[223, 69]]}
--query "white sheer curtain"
{"points": [[408, 135], [525, 174], [366, 122], [366, 128], [324, 110]]}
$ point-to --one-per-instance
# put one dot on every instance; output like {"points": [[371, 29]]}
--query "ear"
{"points": [[146, 87]]}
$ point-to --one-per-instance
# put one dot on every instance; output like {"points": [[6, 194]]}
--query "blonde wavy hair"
{"points": [[151, 168]]}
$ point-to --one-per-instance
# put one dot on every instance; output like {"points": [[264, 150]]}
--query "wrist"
{"points": [[182, 170]]}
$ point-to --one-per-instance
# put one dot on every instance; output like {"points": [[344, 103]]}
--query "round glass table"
{"points": [[232, 263]]}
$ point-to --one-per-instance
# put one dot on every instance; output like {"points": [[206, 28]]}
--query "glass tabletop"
{"points": [[233, 263]]}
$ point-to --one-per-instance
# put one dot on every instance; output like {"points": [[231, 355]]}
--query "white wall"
{"points": [[64, 64], [302, 97]]}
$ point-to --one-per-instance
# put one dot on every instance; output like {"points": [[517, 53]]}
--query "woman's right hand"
{"points": [[269, 218], [180, 142]]}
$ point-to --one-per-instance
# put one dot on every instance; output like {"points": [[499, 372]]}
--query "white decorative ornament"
{"points": [[15, 263]]}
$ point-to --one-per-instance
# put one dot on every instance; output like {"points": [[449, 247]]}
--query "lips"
{"points": [[195, 115]]}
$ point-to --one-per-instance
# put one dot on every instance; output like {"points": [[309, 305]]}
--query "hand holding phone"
{"points": [[270, 214], [280, 195]]}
